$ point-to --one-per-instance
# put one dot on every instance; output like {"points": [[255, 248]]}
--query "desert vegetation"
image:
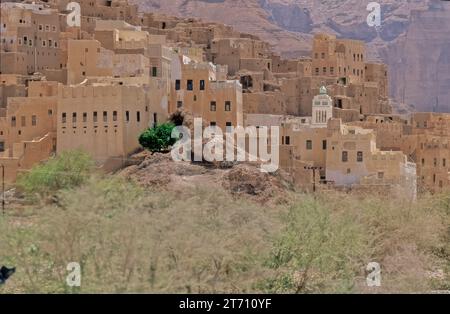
{"points": [[133, 238]]}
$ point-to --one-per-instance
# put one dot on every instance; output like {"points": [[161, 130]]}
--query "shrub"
{"points": [[158, 138], [67, 170]]}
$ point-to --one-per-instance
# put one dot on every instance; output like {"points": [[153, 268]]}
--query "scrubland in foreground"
{"points": [[133, 238]]}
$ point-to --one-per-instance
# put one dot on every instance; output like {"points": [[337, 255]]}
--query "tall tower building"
{"points": [[322, 109]]}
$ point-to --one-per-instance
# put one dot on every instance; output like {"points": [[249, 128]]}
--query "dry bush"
{"points": [[133, 239]]}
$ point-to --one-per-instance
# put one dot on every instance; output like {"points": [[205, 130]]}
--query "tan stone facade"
{"points": [[98, 86]]}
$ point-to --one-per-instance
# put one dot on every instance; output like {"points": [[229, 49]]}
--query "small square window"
{"points": [[228, 106], [344, 156], [309, 145], [190, 85], [213, 106], [359, 157]]}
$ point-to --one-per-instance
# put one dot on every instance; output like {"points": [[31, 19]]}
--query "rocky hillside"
{"points": [[412, 39]]}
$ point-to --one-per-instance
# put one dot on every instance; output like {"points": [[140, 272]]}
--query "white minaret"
{"points": [[322, 109]]}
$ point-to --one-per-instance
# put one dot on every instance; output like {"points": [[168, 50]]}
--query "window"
{"points": [[324, 144], [324, 69], [2, 146], [228, 124], [317, 71], [155, 119], [344, 156], [54, 28], [138, 116], [105, 116], [95, 117], [190, 85], [22, 120], [202, 84], [74, 117], [127, 116], [179, 104], [63, 117], [33, 120], [309, 145], [114, 115], [444, 162], [50, 112], [44, 43], [228, 106], [84, 116], [55, 44], [323, 55], [332, 70], [359, 157], [288, 140], [154, 71], [213, 124], [213, 106], [47, 28], [177, 85], [50, 43]]}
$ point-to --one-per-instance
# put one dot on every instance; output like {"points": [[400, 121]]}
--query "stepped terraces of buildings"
{"points": [[99, 84]]}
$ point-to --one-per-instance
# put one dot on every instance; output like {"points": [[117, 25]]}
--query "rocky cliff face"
{"points": [[414, 39]]}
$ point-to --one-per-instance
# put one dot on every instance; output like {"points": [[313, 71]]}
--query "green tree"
{"points": [[159, 138], [67, 170]]}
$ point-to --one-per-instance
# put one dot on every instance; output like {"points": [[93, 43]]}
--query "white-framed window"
{"points": [[44, 43], [40, 27]]}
